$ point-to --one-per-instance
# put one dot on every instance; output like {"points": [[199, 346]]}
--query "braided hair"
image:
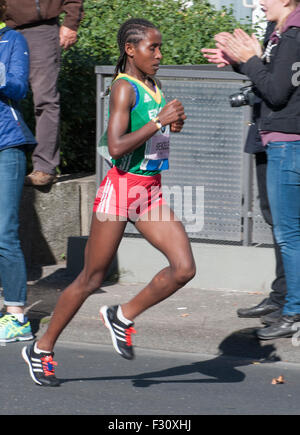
{"points": [[133, 30]]}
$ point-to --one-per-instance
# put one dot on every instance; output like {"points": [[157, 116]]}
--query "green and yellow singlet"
{"points": [[152, 156]]}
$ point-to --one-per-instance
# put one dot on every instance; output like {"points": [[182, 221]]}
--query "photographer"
{"points": [[270, 309], [272, 73]]}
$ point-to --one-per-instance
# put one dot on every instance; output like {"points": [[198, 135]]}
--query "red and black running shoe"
{"points": [[41, 366], [119, 331]]}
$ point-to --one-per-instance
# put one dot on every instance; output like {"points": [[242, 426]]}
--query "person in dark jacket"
{"points": [[15, 139], [275, 75], [269, 309], [37, 20]]}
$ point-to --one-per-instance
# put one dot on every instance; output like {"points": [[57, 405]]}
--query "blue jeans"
{"points": [[12, 263], [283, 182]]}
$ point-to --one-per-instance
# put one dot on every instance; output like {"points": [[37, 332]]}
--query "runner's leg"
{"points": [[170, 238], [101, 247]]}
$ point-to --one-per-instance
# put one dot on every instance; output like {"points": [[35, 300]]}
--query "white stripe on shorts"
{"points": [[104, 195], [109, 198]]}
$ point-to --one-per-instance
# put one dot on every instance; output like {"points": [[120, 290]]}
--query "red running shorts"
{"points": [[128, 195]]}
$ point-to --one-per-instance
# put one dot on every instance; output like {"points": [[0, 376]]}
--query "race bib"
{"points": [[158, 146]]}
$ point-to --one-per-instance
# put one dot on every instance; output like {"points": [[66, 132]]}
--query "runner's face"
{"points": [[147, 54]]}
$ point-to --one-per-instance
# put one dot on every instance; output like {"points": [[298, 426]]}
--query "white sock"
{"points": [[19, 316], [121, 316], [37, 350]]}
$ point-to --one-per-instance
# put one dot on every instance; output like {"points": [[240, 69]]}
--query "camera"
{"points": [[245, 97]]}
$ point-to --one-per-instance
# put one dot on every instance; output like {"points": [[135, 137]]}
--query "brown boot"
{"points": [[39, 178]]}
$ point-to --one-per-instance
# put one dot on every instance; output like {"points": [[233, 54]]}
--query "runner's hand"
{"points": [[176, 126], [172, 112]]}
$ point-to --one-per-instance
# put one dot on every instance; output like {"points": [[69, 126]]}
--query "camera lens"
{"points": [[237, 100]]}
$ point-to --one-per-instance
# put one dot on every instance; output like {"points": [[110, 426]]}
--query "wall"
{"points": [[50, 215]]}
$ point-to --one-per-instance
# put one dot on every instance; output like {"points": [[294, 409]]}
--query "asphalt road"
{"points": [[96, 381]]}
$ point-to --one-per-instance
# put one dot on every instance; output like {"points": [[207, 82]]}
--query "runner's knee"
{"points": [[185, 272], [91, 282]]}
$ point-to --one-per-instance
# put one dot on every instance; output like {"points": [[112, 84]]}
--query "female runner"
{"points": [[138, 142]]}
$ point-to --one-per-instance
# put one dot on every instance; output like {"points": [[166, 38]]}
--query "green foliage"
{"points": [[185, 31]]}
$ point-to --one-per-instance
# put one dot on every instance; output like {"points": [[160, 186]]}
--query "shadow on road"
{"points": [[239, 349]]}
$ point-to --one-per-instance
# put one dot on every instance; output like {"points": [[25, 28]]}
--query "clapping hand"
{"points": [[238, 46]]}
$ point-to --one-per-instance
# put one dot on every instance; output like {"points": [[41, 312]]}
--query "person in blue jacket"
{"points": [[15, 139]]}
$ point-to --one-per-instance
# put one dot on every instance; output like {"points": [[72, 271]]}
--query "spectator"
{"points": [[270, 309], [274, 76], [15, 140], [38, 21]]}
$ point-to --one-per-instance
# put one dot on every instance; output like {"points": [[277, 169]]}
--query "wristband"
{"points": [[157, 122]]}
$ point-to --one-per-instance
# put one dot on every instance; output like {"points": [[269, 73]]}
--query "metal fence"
{"points": [[211, 183]]}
